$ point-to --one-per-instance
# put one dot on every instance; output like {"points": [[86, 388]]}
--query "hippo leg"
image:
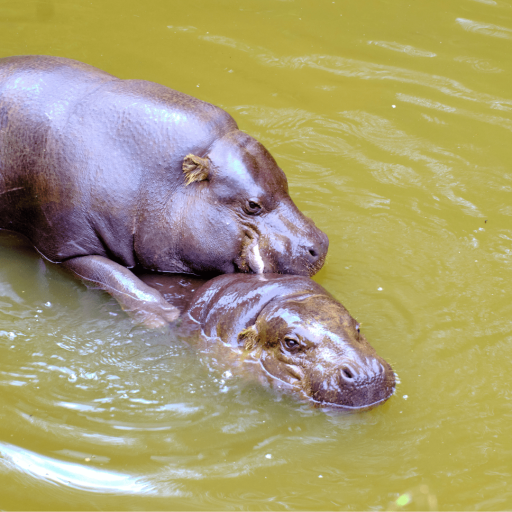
{"points": [[145, 304]]}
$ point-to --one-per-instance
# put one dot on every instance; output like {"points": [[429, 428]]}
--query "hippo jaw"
{"points": [[333, 366]]}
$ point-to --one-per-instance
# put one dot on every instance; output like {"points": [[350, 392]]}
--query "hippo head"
{"points": [[313, 344], [243, 219]]}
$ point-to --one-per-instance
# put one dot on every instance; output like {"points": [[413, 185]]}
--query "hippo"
{"points": [[105, 175], [299, 335]]}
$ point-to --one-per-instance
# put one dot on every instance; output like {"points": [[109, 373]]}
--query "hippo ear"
{"points": [[195, 168], [248, 337]]}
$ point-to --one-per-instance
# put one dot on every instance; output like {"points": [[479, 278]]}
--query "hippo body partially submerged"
{"points": [[103, 175], [297, 332]]}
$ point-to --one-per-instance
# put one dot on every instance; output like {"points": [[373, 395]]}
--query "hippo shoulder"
{"points": [[38, 82], [45, 63]]}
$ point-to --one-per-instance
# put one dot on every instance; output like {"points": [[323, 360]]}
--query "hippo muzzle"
{"points": [[354, 384], [284, 242]]}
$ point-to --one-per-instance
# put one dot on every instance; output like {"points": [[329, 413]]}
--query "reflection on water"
{"points": [[362, 70], [420, 498], [485, 28], [392, 122], [73, 475], [479, 64], [405, 48]]}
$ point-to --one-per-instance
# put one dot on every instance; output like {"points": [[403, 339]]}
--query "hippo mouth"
{"points": [[365, 398], [385, 392], [341, 407], [349, 408]]}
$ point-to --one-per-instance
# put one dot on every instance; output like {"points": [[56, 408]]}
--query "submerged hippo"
{"points": [[297, 332], [103, 175]]}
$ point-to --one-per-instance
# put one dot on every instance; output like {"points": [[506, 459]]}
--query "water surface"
{"points": [[393, 123]]}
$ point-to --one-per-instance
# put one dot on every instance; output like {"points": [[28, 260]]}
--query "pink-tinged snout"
{"points": [[354, 382]]}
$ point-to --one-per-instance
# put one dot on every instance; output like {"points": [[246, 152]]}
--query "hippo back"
{"points": [[85, 156]]}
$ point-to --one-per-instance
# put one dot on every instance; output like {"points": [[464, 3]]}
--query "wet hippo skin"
{"points": [[105, 175], [295, 331]]}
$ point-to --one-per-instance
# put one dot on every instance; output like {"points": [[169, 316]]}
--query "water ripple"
{"points": [[341, 133], [479, 64], [346, 67], [77, 476], [485, 29], [403, 48], [434, 105]]}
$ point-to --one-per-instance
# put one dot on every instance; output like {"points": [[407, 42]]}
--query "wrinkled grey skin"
{"points": [[103, 175], [300, 335]]}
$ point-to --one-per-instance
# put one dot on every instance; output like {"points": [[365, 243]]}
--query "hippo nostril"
{"points": [[314, 253], [347, 373]]}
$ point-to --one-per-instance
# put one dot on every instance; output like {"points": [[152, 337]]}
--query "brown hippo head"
{"points": [[242, 217], [313, 344], [300, 335]]}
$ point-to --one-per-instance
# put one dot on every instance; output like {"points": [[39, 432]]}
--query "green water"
{"points": [[393, 122]]}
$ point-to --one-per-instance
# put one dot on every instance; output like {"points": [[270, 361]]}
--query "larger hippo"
{"points": [[296, 332], [103, 175]]}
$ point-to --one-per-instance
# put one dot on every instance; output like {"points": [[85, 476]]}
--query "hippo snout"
{"points": [[304, 252], [356, 385], [316, 249]]}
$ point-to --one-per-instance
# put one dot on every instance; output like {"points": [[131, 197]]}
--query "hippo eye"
{"points": [[291, 343], [358, 328], [253, 208]]}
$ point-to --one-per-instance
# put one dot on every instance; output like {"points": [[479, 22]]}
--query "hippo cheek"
{"points": [[285, 372], [354, 384], [212, 243]]}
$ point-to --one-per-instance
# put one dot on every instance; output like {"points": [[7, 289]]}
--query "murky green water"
{"points": [[393, 122]]}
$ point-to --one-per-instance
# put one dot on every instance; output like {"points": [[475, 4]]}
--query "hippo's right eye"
{"points": [[253, 207], [291, 343]]}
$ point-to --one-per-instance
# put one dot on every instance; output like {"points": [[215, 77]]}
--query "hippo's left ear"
{"points": [[195, 168], [248, 337]]}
